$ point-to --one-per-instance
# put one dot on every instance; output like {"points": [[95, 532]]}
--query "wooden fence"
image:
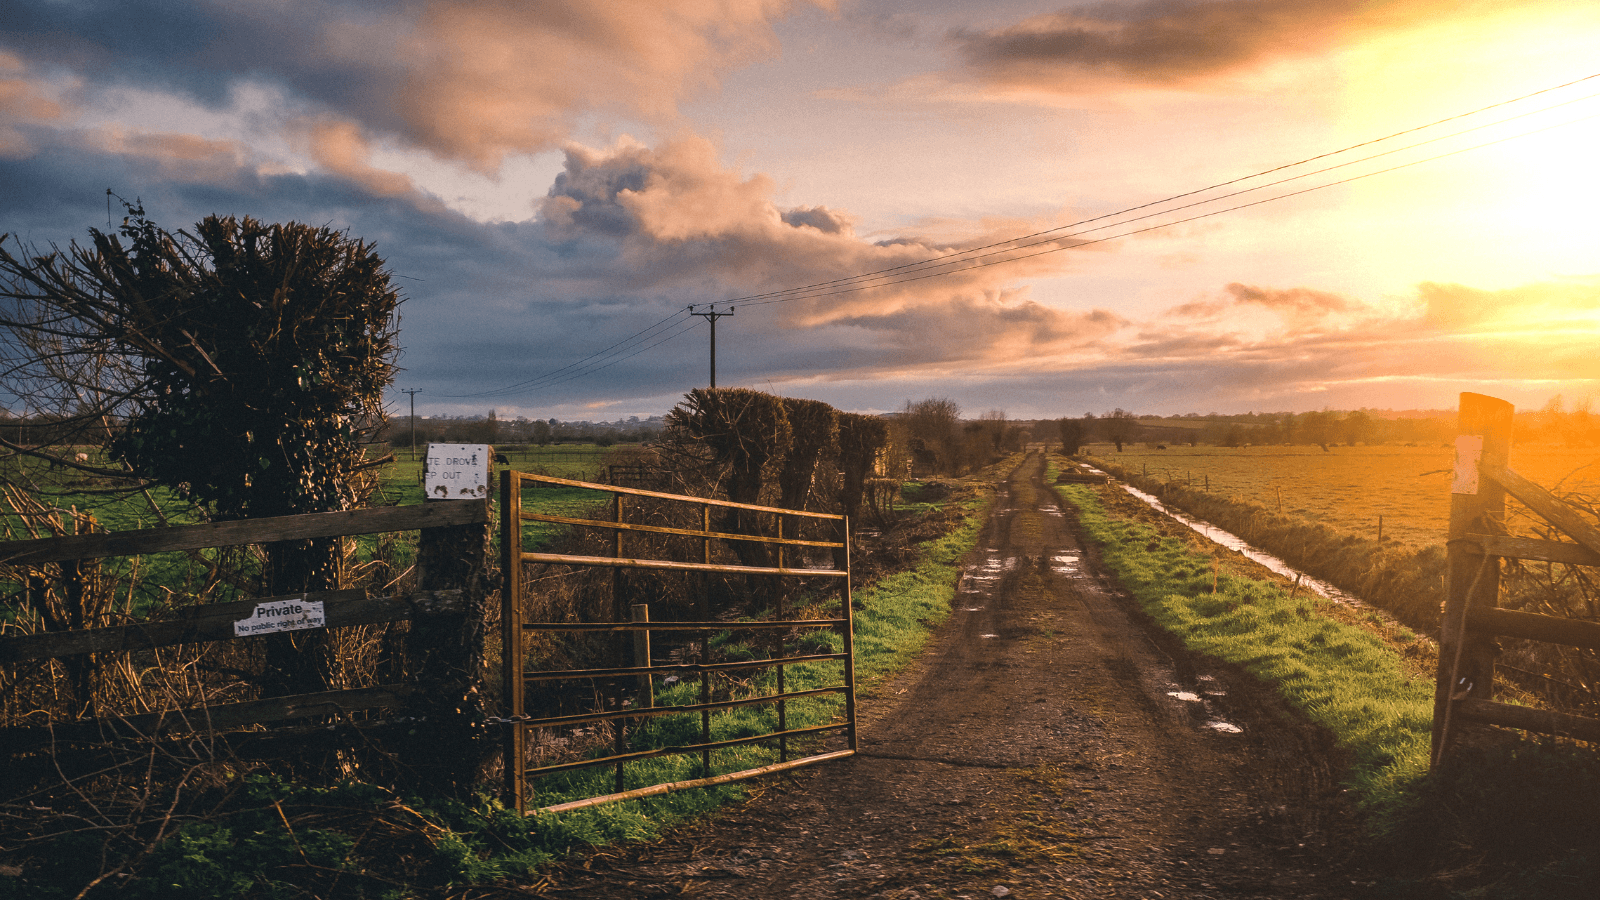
{"points": [[1478, 540], [449, 532], [634, 619]]}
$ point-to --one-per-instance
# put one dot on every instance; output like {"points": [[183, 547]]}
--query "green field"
{"points": [[1350, 487], [163, 576], [402, 483]]}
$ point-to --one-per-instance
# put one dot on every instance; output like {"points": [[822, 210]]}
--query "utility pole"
{"points": [[413, 394], [712, 317]]}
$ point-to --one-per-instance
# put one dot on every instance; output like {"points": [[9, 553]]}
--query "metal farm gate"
{"points": [[644, 543]]}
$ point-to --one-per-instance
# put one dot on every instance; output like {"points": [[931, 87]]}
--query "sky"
{"points": [[1044, 207]]}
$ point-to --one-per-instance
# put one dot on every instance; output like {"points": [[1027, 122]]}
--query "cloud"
{"points": [[176, 157], [342, 149], [1460, 306], [466, 80], [1297, 301], [677, 221], [997, 331], [23, 100], [493, 76], [821, 218], [1445, 337], [1177, 43]]}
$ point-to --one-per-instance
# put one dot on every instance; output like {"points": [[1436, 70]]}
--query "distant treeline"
{"points": [[491, 429], [943, 441], [1553, 423]]}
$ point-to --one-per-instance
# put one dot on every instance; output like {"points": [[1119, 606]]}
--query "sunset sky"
{"points": [[554, 183]]}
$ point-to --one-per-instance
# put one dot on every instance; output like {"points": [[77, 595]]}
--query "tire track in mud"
{"points": [[1042, 747]]}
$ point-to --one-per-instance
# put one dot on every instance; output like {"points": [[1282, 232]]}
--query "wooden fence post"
{"points": [[445, 653], [1477, 505]]}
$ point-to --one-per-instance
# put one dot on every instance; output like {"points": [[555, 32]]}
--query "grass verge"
{"points": [[1342, 677], [1507, 819], [1406, 582]]}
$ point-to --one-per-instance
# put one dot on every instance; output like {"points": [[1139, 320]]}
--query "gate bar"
{"points": [[698, 782]]}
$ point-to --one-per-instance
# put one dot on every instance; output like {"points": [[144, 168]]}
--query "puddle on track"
{"points": [[1066, 563], [994, 567], [1204, 707]]}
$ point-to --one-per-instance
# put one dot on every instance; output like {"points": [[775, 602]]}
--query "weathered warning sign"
{"points": [[281, 615], [1469, 452], [456, 472]]}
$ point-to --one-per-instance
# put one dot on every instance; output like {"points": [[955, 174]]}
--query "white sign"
{"points": [[281, 615], [1469, 451], [456, 472]]}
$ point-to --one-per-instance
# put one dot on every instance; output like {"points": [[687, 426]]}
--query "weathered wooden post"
{"points": [[445, 647], [1477, 506]]}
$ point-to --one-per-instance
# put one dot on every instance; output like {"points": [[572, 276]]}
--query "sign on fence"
{"points": [[456, 472], [283, 615]]}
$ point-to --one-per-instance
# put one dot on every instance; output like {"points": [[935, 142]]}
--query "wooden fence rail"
{"points": [[445, 601], [1477, 542]]}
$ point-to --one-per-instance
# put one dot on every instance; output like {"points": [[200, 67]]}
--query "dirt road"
{"points": [[1048, 745]]}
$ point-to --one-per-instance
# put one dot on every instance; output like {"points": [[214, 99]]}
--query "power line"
{"points": [[579, 365], [953, 259], [951, 265], [979, 257], [1183, 221]]}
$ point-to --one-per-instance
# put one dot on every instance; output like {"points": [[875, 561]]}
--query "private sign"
{"points": [[456, 472], [281, 615]]}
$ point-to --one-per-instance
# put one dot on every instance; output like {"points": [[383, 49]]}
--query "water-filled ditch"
{"points": [[1237, 544]]}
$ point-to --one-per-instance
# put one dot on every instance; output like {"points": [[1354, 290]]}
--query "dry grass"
{"points": [[1349, 488]]}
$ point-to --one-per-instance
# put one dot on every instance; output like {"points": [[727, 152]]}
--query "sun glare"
{"points": [[1517, 209]]}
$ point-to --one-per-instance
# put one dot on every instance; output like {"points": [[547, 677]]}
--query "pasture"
{"points": [[1349, 488], [61, 496]]}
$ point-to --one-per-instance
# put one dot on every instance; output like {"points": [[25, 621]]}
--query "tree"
{"points": [[745, 433], [1119, 426], [1073, 432], [1317, 427], [933, 436], [994, 425], [539, 432], [241, 365], [861, 439], [813, 433], [244, 359], [743, 429]]}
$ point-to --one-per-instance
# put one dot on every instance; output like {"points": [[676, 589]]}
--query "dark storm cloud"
{"points": [[1300, 300], [117, 41], [1175, 42], [821, 218], [469, 80], [979, 331]]}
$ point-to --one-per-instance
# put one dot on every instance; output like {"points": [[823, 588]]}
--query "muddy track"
{"points": [[1049, 744]]}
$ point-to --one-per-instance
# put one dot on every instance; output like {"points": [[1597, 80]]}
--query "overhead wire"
{"points": [[1159, 225], [979, 257], [953, 266], [606, 353], [952, 259]]}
